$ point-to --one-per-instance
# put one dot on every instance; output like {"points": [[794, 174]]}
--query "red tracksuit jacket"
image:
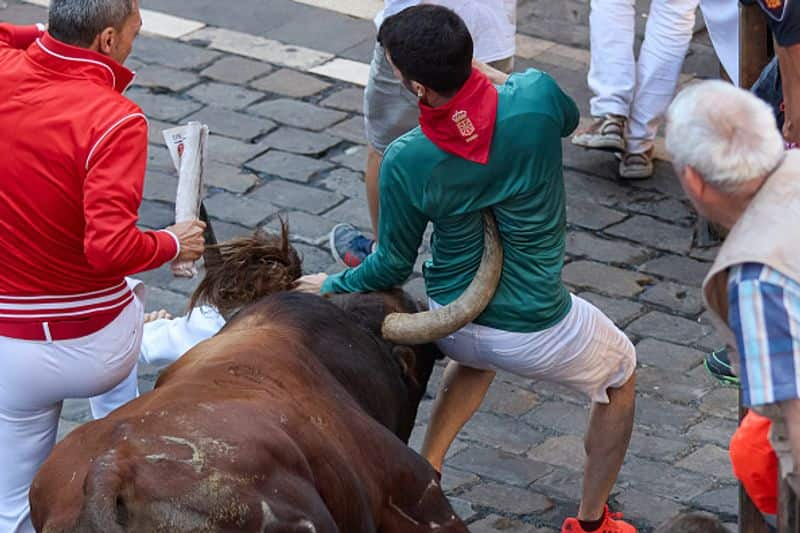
{"points": [[73, 153]]}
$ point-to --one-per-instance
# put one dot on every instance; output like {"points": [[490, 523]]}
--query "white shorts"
{"points": [[585, 351]]}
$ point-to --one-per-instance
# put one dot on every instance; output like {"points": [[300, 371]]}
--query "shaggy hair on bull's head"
{"points": [[246, 269]]}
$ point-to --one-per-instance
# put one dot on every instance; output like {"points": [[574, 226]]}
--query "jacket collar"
{"points": [[80, 62]]}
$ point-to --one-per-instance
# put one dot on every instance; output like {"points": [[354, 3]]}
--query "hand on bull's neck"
{"points": [[311, 283]]}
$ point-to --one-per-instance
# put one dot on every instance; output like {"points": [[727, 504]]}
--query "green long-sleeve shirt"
{"points": [[523, 183]]}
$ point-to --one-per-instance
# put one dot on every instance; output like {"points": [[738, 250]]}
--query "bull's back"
{"points": [[230, 431]]}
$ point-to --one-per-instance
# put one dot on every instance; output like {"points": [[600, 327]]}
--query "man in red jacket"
{"points": [[73, 152]]}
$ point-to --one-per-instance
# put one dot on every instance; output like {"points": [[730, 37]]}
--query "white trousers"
{"points": [[640, 90], [35, 378]]}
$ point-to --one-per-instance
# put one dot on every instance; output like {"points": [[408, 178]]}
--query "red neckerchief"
{"points": [[464, 126]]}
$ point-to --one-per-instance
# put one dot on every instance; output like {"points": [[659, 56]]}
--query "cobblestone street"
{"points": [[288, 142]]}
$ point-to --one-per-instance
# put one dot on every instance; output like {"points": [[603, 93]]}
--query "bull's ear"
{"points": [[407, 357]]}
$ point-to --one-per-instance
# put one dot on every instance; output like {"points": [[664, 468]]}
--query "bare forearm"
{"points": [[789, 60], [497, 77]]}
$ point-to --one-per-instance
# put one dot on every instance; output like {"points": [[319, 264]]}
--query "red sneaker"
{"points": [[612, 523]]}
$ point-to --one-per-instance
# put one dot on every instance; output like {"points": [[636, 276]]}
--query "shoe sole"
{"points": [[332, 246], [635, 174], [605, 144]]}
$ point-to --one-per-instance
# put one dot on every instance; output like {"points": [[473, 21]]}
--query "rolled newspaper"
{"points": [[187, 146]]}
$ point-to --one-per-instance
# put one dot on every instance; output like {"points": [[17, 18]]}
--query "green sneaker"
{"points": [[718, 364]]}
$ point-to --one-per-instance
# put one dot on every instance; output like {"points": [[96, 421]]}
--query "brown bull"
{"points": [[292, 419]]}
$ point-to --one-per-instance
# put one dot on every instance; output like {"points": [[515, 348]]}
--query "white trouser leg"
{"points": [[125, 391], [667, 37], [612, 71], [34, 379]]}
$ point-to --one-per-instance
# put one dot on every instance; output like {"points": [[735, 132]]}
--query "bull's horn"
{"points": [[422, 328]]}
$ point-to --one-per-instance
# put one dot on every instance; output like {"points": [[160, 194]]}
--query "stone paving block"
{"points": [[76, 410], [683, 269], [226, 231], [642, 508], [248, 212], [156, 215], [669, 209], [715, 430], [722, 402], [660, 354], [303, 227], [346, 182], [592, 216], [350, 99], [498, 465], [237, 70], [65, 427], [314, 259], [508, 434], [723, 500], [155, 129], [509, 399], [351, 130], [462, 508], [171, 53], [583, 244], [228, 177], [664, 480], [224, 95], [290, 83], [559, 416], [583, 186], [165, 78], [158, 159], [353, 211], [226, 122], [158, 298], [705, 254], [620, 311], [231, 151], [331, 32], [566, 451], [300, 141], [354, 158], [584, 160], [494, 523], [654, 233], [509, 499], [164, 278], [668, 328], [709, 460], [289, 166], [286, 194], [160, 186], [675, 297], [656, 448], [162, 106], [453, 479], [562, 483], [670, 385], [604, 279], [664, 418], [298, 114]]}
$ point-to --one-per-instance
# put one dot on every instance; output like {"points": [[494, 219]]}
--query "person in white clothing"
{"points": [[390, 110], [632, 95]]}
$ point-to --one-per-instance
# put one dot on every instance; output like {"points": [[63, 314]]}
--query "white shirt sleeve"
{"points": [[165, 340]]}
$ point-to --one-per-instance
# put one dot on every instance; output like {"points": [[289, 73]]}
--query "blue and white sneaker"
{"points": [[349, 246]]}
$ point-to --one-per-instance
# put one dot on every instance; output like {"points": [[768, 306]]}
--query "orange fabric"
{"points": [[755, 463]]}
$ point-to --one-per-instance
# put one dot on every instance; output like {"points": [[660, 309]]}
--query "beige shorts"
{"points": [[585, 351]]}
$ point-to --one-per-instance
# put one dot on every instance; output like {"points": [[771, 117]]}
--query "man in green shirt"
{"points": [[480, 146]]}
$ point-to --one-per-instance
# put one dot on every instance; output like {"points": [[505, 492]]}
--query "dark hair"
{"points": [[430, 45], [79, 22], [693, 523]]}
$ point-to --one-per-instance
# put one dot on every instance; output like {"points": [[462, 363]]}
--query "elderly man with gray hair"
{"points": [[73, 153], [731, 161]]}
